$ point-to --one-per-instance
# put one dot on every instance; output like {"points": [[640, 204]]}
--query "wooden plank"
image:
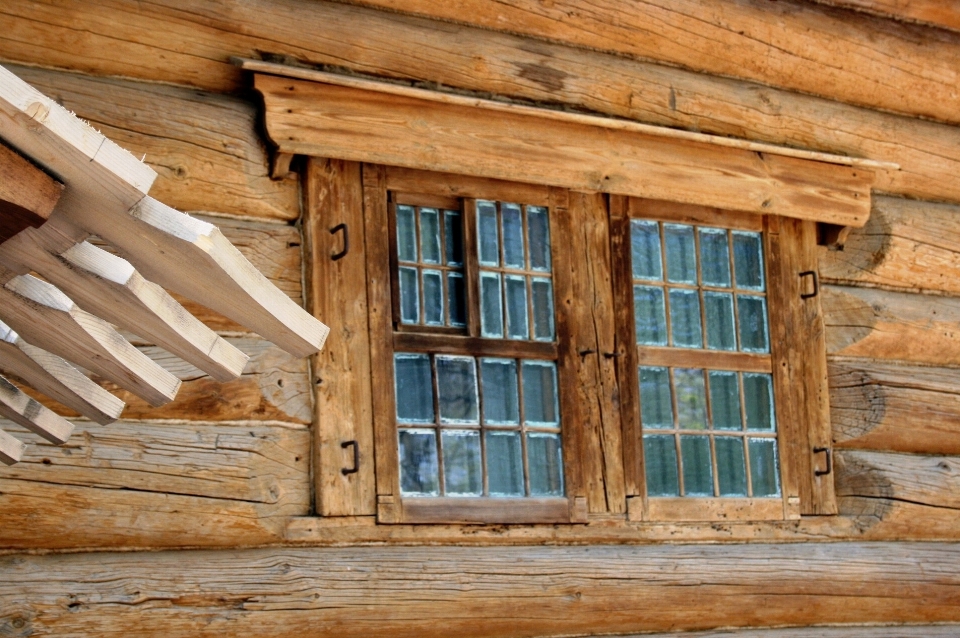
{"points": [[27, 194], [367, 125], [453, 186], [203, 146], [390, 45], [905, 244], [855, 631], [27, 413], [486, 510], [476, 346], [938, 13], [174, 249], [11, 449], [882, 325], [451, 591], [56, 378], [794, 45], [653, 356], [721, 509], [333, 195], [108, 287], [46, 317], [883, 406]]}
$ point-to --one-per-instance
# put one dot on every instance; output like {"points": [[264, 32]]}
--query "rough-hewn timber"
{"points": [[455, 591], [940, 13]]}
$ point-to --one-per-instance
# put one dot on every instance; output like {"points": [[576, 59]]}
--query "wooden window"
{"points": [[467, 382], [707, 309]]}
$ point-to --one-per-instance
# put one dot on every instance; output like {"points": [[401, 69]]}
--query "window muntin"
{"points": [[708, 423]]}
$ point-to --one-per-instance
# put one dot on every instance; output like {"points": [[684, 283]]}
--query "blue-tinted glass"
{"points": [[645, 250], [697, 466], [731, 471], [504, 463], [457, 389], [418, 463], [512, 236], [430, 235], [491, 312], [501, 404], [725, 400], [764, 467], [489, 242], [540, 393], [714, 257], [718, 309], [748, 259], [517, 307], [681, 253], [414, 388], [660, 461], [406, 233], [542, 292], [546, 464], [753, 323], [461, 463], [538, 233], [656, 406], [685, 318], [409, 295], [433, 297], [691, 398], [648, 312]]}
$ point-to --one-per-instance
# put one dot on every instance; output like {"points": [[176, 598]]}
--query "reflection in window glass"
{"points": [[649, 317], [645, 241], [504, 464], [681, 253], [418, 463], [656, 405], [461, 463], [660, 461]]}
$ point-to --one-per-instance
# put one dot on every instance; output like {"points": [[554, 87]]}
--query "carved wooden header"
{"points": [[62, 182], [327, 115]]}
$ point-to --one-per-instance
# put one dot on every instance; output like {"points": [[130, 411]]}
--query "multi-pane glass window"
{"points": [[709, 427], [478, 417]]}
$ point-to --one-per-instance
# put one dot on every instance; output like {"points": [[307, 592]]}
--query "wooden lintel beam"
{"points": [[27, 194]]}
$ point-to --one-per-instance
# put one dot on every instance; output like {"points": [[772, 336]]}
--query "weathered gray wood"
{"points": [[429, 592], [11, 449], [27, 413], [170, 484], [880, 406], [203, 146]]}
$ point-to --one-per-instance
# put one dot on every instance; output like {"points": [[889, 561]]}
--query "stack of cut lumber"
{"points": [[63, 299]]}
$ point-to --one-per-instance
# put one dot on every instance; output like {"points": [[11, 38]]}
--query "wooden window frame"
{"points": [[382, 188], [797, 362]]}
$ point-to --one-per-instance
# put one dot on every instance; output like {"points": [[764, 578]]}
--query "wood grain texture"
{"points": [[793, 44], [156, 485], [333, 195], [543, 591], [856, 631], [903, 408], [324, 120], [905, 244], [27, 194], [27, 413], [884, 325], [203, 146], [938, 13], [74, 35]]}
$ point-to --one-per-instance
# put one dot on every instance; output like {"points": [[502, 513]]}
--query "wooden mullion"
{"points": [[471, 267], [699, 358], [425, 200], [394, 263], [473, 346]]}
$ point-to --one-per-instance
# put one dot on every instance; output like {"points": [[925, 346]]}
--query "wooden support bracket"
{"points": [[25, 412], [27, 194]]}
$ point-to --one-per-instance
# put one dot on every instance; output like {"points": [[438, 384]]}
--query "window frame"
{"points": [[383, 188]]}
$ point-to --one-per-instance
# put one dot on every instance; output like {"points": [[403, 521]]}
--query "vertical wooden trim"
{"points": [[471, 266], [336, 294], [626, 348], [377, 237]]}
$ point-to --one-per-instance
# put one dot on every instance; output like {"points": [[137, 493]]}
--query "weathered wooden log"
{"points": [[877, 324], [905, 244], [879, 406], [932, 12], [156, 485], [474, 59], [430, 592], [856, 631], [204, 147]]}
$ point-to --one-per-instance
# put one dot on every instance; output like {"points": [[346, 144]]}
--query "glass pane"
{"points": [[764, 472], [538, 233], [660, 461], [542, 291], [512, 236], [656, 407], [430, 235], [461, 463], [409, 296], [645, 250], [489, 243], [414, 388], [697, 466], [691, 398], [748, 259], [649, 317], [758, 396], [501, 405], [418, 463], [491, 315], [457, 389], [718, 307], [540, 393], [504, 464], [433, 297], [546, 464], [725, 401], [714, 257], [455, 299], [753, 323], [685, 318], [681, 253], [731, 471], [517, 307], [406, 233], [453, 232]]}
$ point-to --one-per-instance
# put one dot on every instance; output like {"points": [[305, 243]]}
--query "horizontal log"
{"points": [[879, 406], [74, 36], [792, 44], [931, 12], [856, 631], [369, 123], [431, 592], [905, 244], [879, 324], [163, 485], [204, 147]]}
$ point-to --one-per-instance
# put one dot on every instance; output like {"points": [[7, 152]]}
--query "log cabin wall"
{"points": [[126, 529]]}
